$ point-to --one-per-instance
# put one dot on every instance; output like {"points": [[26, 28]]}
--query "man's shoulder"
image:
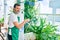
{"points": [[12, 14]]}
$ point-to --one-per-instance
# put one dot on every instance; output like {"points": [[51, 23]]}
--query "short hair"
{"points": [[16, 5]]}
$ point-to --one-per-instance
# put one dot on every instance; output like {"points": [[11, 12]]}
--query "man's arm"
{"points": [[21, 24]]}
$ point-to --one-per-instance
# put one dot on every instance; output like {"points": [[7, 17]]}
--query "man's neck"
{"points": [[15, 12]]}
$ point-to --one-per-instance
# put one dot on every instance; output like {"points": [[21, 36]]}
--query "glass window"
{"points": [[50, 9]]}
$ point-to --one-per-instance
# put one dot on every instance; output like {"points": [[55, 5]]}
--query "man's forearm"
{"points": [[22, 24]]}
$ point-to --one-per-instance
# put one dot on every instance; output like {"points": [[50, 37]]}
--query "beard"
{"points": [[16, 12]]}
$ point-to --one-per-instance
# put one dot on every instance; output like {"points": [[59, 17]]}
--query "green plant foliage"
{"points": [[45, 31], [28, 10], [2, 20]]}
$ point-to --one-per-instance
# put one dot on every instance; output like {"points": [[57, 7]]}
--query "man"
{"points": [[14, 24]]}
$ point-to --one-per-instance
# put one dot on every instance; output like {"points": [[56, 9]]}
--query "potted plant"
{"points": [[45, 31]]}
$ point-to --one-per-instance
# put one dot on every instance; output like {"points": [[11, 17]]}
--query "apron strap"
{"points": [[18, 18]]}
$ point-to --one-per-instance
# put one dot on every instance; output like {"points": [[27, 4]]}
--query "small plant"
{"points": [[1, 21]]}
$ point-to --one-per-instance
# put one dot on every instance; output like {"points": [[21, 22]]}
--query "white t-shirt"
{"points": [[13, 18]]}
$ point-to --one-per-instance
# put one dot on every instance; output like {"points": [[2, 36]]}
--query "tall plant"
{"points": [[29, 9], [43, 31]]}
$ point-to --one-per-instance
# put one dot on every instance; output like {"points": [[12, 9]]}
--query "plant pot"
{"points": [[29, 36]]}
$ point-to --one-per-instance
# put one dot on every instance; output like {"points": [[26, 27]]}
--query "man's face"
{"points": [[17, 9]]}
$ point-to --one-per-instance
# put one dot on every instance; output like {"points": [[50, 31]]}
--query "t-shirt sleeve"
{"points": [[14, 18]]}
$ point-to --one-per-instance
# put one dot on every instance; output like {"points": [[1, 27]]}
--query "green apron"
{"points": [[15, 31]]}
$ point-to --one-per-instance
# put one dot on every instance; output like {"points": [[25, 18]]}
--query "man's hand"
{"points": [[27, 20]]}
